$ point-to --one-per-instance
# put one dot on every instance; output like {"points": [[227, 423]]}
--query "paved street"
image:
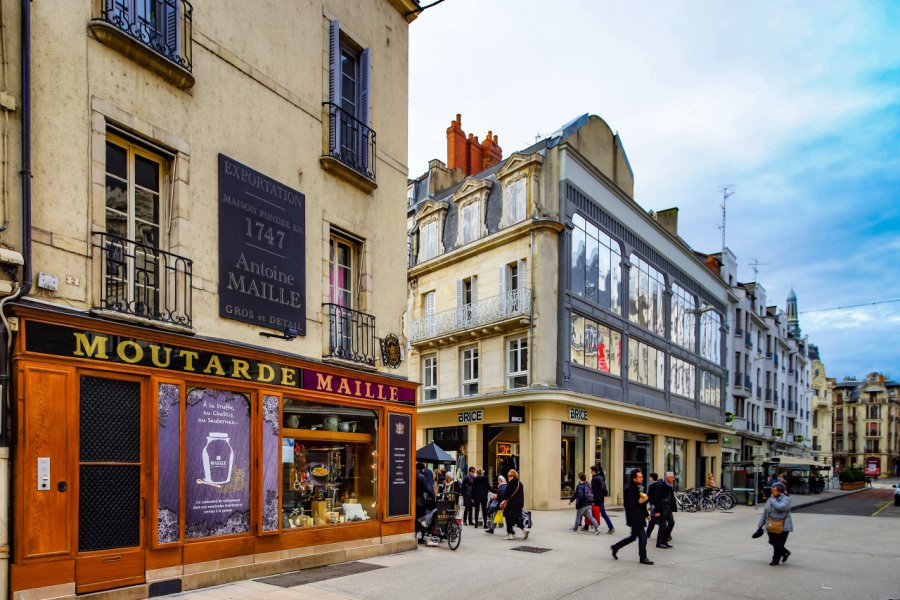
{"points": [[835, 556], [877, 502]]}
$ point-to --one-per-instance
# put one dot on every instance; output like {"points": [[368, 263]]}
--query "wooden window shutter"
{"points": [[334, 83], [172, 28], [364, 108]]}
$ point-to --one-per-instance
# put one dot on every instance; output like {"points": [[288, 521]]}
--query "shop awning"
{"points": [[797, 461], [433, 453]]}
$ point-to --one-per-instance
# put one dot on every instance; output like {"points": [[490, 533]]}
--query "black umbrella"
{"points": [[432, 453]]}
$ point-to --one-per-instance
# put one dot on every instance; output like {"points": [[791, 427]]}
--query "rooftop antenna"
{"points": [[727, 191], [755, 264]]}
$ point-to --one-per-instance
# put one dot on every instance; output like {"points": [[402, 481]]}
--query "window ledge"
{"points": [[342, 171], [111, 36], [128, 318]]}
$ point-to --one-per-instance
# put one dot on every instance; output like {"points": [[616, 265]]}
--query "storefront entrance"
{"points": [[638, 454], [501, 450], [110, 485]]}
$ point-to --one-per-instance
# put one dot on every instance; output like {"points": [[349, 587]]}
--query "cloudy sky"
{"points": [[797, 104]]}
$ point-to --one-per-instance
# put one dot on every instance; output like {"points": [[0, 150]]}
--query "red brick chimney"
{"points": [[467, 153], [491, 152], [457, 152]]}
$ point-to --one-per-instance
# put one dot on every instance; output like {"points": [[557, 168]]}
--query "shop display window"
{"points": [[603, 450], [571, 458], [329, 465]]}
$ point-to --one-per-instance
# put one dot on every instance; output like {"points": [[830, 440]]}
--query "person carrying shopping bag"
{"points": [[776, 521]]}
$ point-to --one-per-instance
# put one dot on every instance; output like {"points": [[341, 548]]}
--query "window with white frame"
{"points": [[469, 220], [512, 285], [428, 301], [466, 298], [517, 363], [514, 195], [469, 364], [348, 83], [428, 241], [646, 289], [429, 378]]}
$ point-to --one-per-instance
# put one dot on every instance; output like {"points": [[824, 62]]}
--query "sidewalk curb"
{"points": [[821, 500]]}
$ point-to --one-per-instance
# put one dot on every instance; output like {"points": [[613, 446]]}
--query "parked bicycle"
{"points": [[705, 499], [443, 524]]}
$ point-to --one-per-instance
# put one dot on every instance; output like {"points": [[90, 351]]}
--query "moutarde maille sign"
{"points": [[262, 251]]}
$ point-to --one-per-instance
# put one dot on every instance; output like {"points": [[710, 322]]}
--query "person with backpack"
{"points": [[584, 500], [598, 486]]}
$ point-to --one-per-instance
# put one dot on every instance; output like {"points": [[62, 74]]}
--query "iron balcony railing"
{"points": [[738, 331], [738, 379], [748, 341], [164, 26], [351, 334], [747, 383], [768, 394], [351, 141], [482, 312], [141, 280]]}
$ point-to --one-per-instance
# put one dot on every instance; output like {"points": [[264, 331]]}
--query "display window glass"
{"points": [[603, 450], [329, 465], [571, 458]]}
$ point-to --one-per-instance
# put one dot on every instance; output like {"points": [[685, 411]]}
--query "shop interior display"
{"points": [[329, 465]]}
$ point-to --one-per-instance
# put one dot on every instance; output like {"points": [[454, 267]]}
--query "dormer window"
{"points": [[469, 222], [514, 201], [428, 241]]}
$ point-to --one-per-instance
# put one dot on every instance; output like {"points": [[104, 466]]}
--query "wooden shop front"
{"points": [[159, 462]]}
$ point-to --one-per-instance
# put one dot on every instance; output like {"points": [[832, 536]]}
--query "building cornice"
{"points": [[484, 244]]}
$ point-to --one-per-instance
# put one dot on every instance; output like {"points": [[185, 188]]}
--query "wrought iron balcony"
{"points": [[738, 331], [768, 394], [748, 341], [351, 335], [164, 26], [350, 141], [513, 303], [142, 281]]}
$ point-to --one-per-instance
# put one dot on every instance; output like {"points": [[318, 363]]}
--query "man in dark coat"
{"points": [[635, 503], [662, 497], [480, 487]]}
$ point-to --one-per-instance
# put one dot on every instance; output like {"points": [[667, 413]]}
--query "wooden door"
{"points": [[111, 483]]}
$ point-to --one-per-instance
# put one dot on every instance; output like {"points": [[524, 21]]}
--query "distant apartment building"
{"points": [[204, 291], [867, 424], [822, 410], [768, 401], [554, 323]]}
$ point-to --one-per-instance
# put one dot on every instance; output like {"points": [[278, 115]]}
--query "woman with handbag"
{"points": [[512, 501], [776, 521]]}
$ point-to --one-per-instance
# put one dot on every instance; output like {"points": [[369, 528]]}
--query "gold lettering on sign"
{"points": [[393, 389], [323, 382], [138, 352], [381, 392], [214, 364], [344, 388], [240, 368], [90, 348], [189, 357], [288, 377], [266, 373], [154, 356]]}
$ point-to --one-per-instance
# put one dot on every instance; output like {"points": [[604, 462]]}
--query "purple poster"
{"points": [[217, 463], [168, 456], [271, 442]]}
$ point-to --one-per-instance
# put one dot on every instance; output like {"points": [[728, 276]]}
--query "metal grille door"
{"points": [[109, 492]]}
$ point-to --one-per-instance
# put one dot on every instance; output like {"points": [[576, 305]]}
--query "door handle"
{"points": [[61, 486], [109, 559], [143, 507]]}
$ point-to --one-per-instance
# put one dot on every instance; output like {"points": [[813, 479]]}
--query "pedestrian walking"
{"points": [[466, 491], [583, 497], [512, 501], [635, 502], [662, 497], [776, 521], [480, 488], [652, 478], [598, 486], [495, 505]]}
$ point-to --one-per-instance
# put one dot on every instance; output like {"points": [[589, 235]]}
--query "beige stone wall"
{"points": [[261, 72]]}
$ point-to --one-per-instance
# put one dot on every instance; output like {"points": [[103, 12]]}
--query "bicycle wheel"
{"points": [[454, 535], [707, 505], [722, 502], [728, 500]]}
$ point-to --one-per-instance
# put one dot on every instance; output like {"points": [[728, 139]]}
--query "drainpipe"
{"points": [[531, 351], [21, 291]]}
